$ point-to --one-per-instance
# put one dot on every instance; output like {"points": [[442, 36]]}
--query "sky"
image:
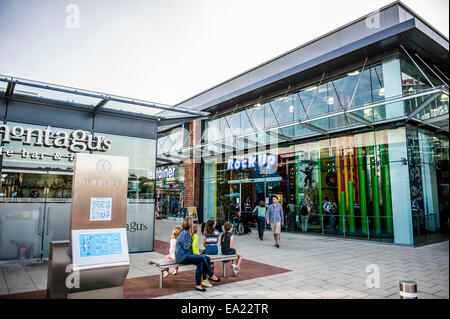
{"points": [[167, 51]]}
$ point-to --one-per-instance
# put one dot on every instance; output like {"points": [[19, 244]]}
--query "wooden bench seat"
{"points": [[163, 263]]}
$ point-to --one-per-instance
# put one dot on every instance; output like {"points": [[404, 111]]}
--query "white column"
{"points": [[400, 188], [393, 87]]}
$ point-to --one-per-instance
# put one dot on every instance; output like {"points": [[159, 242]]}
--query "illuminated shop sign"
{"points": [[74, 142], [166, 172], [264, 160]]}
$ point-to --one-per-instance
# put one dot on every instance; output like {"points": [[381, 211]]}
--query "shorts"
{"points": [[276, 227], [230, 252]]}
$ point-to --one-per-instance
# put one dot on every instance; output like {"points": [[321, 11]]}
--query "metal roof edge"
{"points": [[398, 2]]}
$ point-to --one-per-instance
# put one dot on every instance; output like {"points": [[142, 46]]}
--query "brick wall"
{"points": [[192, 170]]}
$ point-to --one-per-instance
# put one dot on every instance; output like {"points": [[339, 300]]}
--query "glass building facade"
{"points": [[341, 140], [170, 176], [36, 186]]}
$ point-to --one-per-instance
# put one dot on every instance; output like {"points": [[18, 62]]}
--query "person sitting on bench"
{"points": [[183, 255]]}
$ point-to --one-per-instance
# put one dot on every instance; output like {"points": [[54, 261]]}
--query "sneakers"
{"points": [[174, 272], [236, 269], [206, 284], [165, 273]]}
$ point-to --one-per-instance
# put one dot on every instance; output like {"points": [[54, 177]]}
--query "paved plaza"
{"points": [[320, 268]]}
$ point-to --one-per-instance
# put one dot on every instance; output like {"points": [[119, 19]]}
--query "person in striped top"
{"points": [[211, 238]]}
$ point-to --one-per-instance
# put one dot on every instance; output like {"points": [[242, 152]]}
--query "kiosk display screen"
{"points": [[92, 245]]}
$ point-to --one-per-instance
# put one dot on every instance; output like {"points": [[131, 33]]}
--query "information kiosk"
{"points": [[98, 238]]}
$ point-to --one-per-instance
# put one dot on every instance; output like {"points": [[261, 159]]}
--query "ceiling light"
{"points": [[330, 100], [311, 88], [291, 109], [258, 106], [444, 98], [353, 73], [381, 92]]}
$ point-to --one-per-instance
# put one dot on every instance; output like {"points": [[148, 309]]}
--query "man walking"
{"points": [[276, 218]]}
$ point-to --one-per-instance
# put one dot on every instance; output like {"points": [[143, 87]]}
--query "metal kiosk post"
{"points": [[98, 239]]}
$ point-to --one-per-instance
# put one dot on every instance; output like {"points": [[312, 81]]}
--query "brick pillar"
{"points": [[192, 170]]}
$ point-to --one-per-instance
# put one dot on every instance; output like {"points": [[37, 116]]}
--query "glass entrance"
{"points": [[34, 210]]}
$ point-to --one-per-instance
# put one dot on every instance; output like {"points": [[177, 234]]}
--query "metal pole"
{"points": [[321, 219], [367, 223], [432, 85], [408, 289], [430, 69], [345, 224]]}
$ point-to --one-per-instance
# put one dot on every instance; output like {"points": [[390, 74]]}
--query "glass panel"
{"points": [[428, 165], [132, 108], [24, 90], [20, 229], [437, 107], [320, 103], [142, 164], [3, 86], [170, 191], [269, 115]]}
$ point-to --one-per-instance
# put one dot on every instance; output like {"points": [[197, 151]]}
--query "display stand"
{"points": [[98, 239]]}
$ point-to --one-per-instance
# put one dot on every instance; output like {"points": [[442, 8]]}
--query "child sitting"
{"points": [[195, 251], [171, 255], [227, 243], [211, 239]]}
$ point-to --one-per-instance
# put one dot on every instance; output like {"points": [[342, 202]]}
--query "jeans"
{"points": [[291, 221], [261, 224], [331, 225], [203, 264], [210, 250], [305, 223]]}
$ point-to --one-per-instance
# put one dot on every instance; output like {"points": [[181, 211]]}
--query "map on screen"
{"points": [[100, 244]]}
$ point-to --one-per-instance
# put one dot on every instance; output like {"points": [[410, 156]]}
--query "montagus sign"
{"points": [[75, 141]]}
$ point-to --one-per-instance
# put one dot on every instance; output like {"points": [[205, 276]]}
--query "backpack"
{"points": [[328, 207], [304, 211]]}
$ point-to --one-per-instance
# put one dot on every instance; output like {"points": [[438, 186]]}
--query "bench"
{"points": [[163, 263]]}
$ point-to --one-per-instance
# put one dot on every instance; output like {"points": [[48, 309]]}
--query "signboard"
{"points": [[192, 211], [101, 208], [99, 246], [99, 191], [55, 139], [162, 173], [263, 160]]}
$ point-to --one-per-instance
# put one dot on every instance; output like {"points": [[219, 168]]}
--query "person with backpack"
{"points": [[260, 218], [329, 210], [304, 216]]}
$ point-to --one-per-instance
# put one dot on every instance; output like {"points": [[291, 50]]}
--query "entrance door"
{"points": [[34, 210]]}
